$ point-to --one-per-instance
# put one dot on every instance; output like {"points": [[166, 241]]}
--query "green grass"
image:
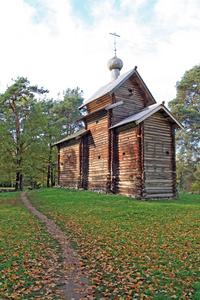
{"points": [[27, 253], [131, 249]]}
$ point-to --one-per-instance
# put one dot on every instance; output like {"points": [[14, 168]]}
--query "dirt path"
{"points": [[76, 284]]}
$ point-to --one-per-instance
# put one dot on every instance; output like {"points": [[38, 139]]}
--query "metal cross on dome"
{"points": [[115, 40]]}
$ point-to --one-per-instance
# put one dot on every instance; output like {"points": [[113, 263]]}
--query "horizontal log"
{"points": [[161, 158], [156, 159], [125, 185], [158, 190], [161, 184], [154, 140], [164, 195], [96, 104], [151, 152], [157, 168], [158, 180], [160, 175]]}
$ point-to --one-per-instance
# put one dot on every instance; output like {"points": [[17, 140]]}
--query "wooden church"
{"points": [[127, 145]]}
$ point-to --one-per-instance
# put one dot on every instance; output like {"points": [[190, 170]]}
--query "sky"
{"points": [[61, 44]]}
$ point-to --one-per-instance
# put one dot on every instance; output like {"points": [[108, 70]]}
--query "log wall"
{"points": [[69, 164], [98, 151], [99, 103], [158, 157], [84, 162], [128, 175], [133, 101]]}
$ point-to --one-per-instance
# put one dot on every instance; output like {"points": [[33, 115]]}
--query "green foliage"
{"points": [[28, 129], [196, 183], [19, 125], [29, 257], [45, 156], [186, 107], [59, 120], [66, 111], [131, 249]]}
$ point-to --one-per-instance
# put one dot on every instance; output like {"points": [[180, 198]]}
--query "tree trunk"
{"points": [[17, 181], [21, 182], [50, 169], [48, 175], [51, 166], [20, 165], [52, 182], [19, 175]]}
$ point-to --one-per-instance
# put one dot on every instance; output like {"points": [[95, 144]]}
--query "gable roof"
{"points": [[113, 85], [146, 113]]}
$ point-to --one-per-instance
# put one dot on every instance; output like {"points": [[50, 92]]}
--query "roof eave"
{"points": [[73, 137], [171, 116], [148, 114], [145, 86]]}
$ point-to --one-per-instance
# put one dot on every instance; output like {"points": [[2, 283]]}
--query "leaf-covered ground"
{"points": [[132, 249], [29, 257]]}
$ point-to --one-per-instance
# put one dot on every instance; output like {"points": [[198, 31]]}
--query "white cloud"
{"points": [[177, 14], [62, 51]]}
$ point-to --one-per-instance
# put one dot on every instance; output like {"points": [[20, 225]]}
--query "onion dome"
{"points": [[115, 64]]}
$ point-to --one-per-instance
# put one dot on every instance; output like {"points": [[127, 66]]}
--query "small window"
{"points": [[167, 152], [124, 153], [99, 157], [130, 92], [97, 122]]}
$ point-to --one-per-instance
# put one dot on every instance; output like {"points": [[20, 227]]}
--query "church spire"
{"points": [[115, 64]]}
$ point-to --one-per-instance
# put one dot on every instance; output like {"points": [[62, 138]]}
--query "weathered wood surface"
{"points": [[99, 103], [69, 164], [135, 160], [98, 151], [158, 157], [84, 162], [127, 169], [133, 101]]}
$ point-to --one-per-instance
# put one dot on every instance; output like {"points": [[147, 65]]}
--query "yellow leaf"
{"points": [[5, 285]]}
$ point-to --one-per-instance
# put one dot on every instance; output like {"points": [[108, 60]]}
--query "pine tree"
{"points": [[186, 107], [19, 123]]}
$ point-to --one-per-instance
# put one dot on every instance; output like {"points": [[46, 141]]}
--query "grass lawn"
{"points": [[29, 257], [132, 249]]}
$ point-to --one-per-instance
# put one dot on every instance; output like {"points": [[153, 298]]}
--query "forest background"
{"points": [[30, 123]]}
